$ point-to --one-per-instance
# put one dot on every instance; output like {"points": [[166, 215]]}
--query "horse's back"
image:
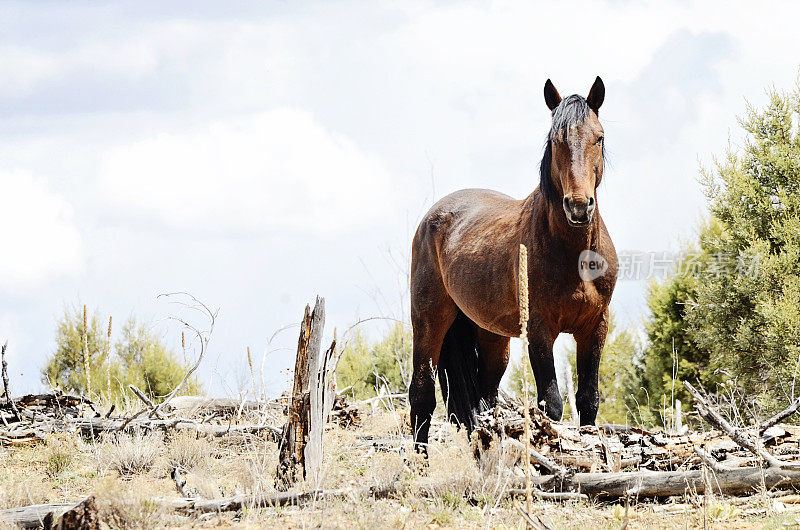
{"points": [[462, 210]]}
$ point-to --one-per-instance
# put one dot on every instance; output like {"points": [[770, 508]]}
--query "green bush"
{"points": [[749, 317], [138, 357], [672, 354], [366, 367], [619, 376], [735, 315]]}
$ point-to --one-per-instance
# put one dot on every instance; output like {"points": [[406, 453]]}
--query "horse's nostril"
{"points": [[591, 202], [567, 204]]}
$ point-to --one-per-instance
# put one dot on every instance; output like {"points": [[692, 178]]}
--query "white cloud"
{"points": [[275, 170], [38, 238]]}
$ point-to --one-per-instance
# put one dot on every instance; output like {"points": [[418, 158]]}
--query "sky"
{"points": [[256, 154]]}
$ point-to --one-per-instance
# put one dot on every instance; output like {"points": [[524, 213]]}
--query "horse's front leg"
{"points": [[590, 347], [540, 351]]}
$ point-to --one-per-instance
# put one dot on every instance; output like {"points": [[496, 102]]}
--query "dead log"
{"points": [[733, 481], [90, 427], [189, 405], [34, 516], [84, 516]]}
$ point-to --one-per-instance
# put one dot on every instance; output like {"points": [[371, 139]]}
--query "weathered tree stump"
{"points": [[311, 402]]}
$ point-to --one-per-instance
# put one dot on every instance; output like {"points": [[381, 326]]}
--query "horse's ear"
{"points": [[596, 95], [551, 96]]}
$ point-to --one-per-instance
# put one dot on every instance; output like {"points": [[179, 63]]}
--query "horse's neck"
{"points": [[549, 222]]}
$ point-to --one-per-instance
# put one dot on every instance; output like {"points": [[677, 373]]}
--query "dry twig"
{"points": [[10, 401], [715, 419]]}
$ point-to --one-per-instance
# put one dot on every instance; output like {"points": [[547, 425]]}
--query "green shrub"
{"points": [[366, 367], [735, 314], [138, 357]]}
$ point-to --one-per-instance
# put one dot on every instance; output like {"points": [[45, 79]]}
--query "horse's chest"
{"points": [[571, 309]]}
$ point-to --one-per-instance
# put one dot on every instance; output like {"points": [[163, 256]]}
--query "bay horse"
{"points": [[464, 277]]}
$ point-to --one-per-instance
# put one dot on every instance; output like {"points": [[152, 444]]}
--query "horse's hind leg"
{"points": [[493, 351], [432, 313]]}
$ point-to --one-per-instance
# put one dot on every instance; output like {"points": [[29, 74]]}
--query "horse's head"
{"points": [[573, 162]]}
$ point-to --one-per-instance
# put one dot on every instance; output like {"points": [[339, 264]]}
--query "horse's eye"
{"points": [[599, 141]]}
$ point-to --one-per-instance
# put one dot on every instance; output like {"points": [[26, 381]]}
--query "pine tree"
{"points": [[748, 317]]}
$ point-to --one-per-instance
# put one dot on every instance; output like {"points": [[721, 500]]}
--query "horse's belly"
{"points": [[487, 306]]}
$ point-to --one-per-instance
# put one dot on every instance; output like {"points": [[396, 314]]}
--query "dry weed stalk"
{"points": [[523, 335], [86, 355], [108, 359], [252, 373]]}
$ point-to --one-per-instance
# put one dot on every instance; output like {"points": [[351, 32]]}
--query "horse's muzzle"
{"points": [[579, 210]]}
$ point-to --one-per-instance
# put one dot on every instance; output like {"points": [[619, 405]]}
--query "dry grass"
{"points": [[187, 450], [130, 454], [451, 490], [129, 505]]}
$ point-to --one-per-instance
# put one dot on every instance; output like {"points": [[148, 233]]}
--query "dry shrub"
{"points": [[129, 506], [205, 485], [24, 493], [187, 450], [60, 453], [130, 454], [58, 461], [452, 467]]}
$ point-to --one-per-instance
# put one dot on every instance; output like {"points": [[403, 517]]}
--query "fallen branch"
{"points": [[716, 420], [141, 395], [551, 495], [92, 426], [33, 516], [542, 460], [709, 460], [390, 397], [780, 416], [192, 404], [530, 522]]}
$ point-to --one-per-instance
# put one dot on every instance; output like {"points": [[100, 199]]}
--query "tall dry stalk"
{"points": [[108, 360], [252, 373], [523, 336], [86, 355]]}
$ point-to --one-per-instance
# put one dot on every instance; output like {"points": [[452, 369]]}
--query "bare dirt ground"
{"points": [[452, 491]]}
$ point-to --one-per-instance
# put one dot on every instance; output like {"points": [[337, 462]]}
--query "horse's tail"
{"points": [[458, 373]]}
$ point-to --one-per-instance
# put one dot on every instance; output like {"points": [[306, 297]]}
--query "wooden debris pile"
{"points": [[20, 414], [612, 448], [620, 461], [28, 420]]}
